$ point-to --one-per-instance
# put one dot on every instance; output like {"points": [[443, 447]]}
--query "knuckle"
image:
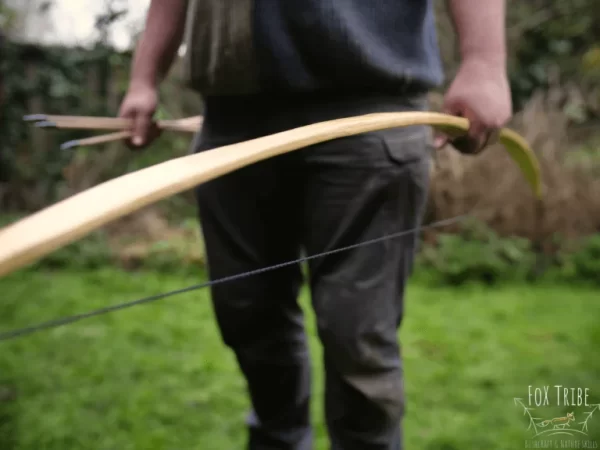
{"points": [[496, 123]]}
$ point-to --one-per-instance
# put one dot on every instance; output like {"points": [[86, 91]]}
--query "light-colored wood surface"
{"points": [[35, 236], [189, 124], [95, 140]]}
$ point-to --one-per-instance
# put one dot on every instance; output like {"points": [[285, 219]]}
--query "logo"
{"points": [[547, 429]]}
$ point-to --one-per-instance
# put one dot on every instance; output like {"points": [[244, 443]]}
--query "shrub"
{"points": [[478, 254], [586, 260], [90, 253]]}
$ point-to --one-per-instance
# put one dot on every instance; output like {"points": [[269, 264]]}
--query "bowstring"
{"points": [[19, 332]]}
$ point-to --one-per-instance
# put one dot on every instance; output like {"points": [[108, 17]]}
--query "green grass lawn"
{"points": [[158, 377]]}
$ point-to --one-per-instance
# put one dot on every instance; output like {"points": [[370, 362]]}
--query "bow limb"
{"points": [[35, 236]]}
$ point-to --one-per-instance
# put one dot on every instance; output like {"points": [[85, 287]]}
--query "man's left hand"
{"points": [[480, 93]]}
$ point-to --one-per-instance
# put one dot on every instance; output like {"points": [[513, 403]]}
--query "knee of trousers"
{"points": [[369, 363], [259, 333]]}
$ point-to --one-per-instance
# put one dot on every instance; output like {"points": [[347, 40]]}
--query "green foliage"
{"points": [[59, 78], [551, 36], [478, 254], [586, 260], [73, 81], [90, 253]]}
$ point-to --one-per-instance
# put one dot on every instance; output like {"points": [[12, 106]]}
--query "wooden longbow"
{"points": [[39, 234]]}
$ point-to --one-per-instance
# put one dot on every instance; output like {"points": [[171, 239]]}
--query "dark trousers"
{"points": [[316, 199]]}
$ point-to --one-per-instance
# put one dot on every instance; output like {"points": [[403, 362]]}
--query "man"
{"points": [[265, 66]]}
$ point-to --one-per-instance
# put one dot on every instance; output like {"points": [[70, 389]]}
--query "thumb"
{"points": [[464, 143], [469, 143], [141, 129], [441, 139]]}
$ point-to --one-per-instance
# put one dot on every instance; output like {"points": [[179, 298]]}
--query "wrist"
{"points": [[495, 57], [143, 83], [485, 59]]}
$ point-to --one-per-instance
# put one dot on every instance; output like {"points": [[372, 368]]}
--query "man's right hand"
{"points": [[139, 105]]}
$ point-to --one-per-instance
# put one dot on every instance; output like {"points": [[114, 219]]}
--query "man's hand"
{"points": [[139, 105], [480, 93], [153, 57]]}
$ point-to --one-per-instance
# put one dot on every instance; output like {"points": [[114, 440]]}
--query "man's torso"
{"points": [[261, 46]]}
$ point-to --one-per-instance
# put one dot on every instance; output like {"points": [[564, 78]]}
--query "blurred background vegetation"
{"points": [[513, 249]]}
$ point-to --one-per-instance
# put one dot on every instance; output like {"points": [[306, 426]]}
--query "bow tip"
{"points": [[69, 145], [45, 124], [34, 117]]}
